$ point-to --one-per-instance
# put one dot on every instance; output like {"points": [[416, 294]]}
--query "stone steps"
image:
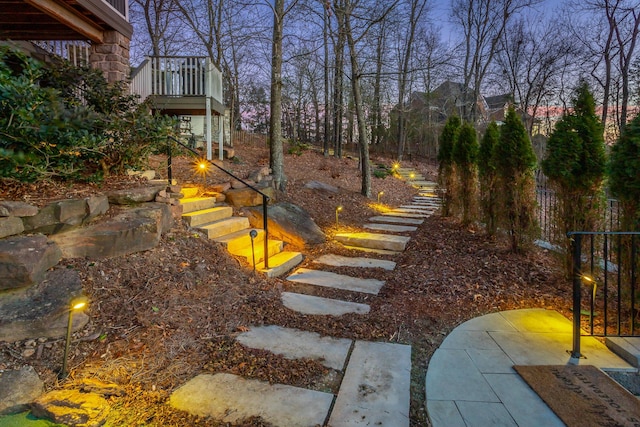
{"points": [[280, 263], [192, 204], [206, 216], [336, 281], [344, 261], [225, 226], [404, 214], [391, 227], [309, 304], [397, 220], [389, 242]]}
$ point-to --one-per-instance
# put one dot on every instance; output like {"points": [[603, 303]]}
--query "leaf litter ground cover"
{"points": [[160, 317]]}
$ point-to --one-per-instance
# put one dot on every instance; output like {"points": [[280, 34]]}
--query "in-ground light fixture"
{"points": [[338, 210], [77, 304]]}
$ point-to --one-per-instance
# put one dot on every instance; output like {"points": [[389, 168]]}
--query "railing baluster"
{"points": [[633, 282], [619, 283], [605, 283], [577, 293]]}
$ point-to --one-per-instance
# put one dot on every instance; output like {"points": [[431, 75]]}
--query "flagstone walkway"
{"points": [[376, 376]]}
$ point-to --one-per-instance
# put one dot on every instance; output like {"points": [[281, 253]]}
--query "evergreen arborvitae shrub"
{"points": [[465, 157], [487, 177], [514, 162], [624, 175], [446, 174], [575, 163]]}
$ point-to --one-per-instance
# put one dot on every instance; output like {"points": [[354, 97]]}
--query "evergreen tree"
{"points": [[575, 163], [624, 175], [446, 174], [465, 157], [514, 162], [487, 176]]}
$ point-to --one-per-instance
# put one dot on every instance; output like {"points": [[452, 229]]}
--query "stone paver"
{"points": [[297, 344], [345, 261], [397, 220], [375, 388], [389, 242], [471, 376], [372, 250], [391, 227], [231, 398], [404, 214], [309, 304], [338, 281]]}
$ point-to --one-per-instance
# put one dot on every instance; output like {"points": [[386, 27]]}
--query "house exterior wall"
{"points": [[112, 56]]}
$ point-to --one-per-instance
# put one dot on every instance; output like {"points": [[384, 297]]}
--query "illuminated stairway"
{"points": [[234, 233]]}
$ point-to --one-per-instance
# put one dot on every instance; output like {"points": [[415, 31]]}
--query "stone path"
{"points": [[375, 376]]}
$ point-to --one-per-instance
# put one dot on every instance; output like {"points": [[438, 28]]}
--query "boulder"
{"points": [[132, 196], [242, 197], [18, 388], [57, 217], [259, 174], [10, 226], [72, 408], [317, 185], [221, 188], [41, 310], [11, 208], [25, 259], [132, 231], [288, 222], [96, 206]]}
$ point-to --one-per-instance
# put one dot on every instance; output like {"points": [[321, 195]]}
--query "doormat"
{"points": [[582, 395]]}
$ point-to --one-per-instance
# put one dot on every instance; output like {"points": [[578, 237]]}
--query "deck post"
{"points": [[220, 138], [208, 126]]}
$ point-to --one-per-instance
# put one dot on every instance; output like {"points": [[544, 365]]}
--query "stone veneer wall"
{"points": [[112, 56]]}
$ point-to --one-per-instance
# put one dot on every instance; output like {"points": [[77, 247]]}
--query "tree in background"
{"points": [[465, 157], [575, 164], [487, 177], [624, 175], [514, 162], [446, 174]]}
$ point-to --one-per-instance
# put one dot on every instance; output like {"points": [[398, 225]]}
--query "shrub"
{"points": [[487, 177], [465, 157], [624, 175], [446, 173], [514, 162]]}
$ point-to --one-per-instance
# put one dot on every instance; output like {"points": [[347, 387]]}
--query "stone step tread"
{"points": [[411, 210], [391, 227], [375, 389], [208, 215], [197, 203], [337, 281], [298, 344], [389, 242], [418, 207], [240, 239], [627, 348], [280, 263], [404, 214], [397, 220], [231, 398], [224, 227], [313, 305], [190, 192], [345, 261], [372, 250], [273, 247]]}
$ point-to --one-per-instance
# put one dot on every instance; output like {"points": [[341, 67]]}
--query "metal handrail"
{"points": [[265, 198]]}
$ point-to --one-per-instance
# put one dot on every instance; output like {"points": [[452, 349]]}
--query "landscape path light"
{"points": [[590, 281], [380, 193], [338, 210], [77, 304], [253, 234]]}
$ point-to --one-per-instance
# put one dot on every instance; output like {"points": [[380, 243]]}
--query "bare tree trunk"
{"points": [[276, 154], [325, 36], [338, 77]]}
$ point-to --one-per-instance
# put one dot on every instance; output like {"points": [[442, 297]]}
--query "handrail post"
{"points": [[577, 292], [265, 225]]}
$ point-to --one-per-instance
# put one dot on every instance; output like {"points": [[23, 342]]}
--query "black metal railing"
{"points": [[605, 265], [265, 198]]}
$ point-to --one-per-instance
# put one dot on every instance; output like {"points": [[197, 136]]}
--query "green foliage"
{"points": [[575, 158], [487, 176], [381, 173], [297, 148], [624, 174], [446, 174], [514, 162], [465, 155], [62, 122]]}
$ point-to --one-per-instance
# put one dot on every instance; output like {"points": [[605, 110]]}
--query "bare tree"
{"points": [[483, 23]]}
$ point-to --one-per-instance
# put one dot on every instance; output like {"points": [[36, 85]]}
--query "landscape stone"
{"points": [[96, 205], [259, 174], [397, 220], [10, 226], [131, 196], [296, 344], [345, 261], [390, 242], [18, 388], [221, 188], [230, 398], [391, 227], [72, 408], [338, 281], [25, 259], [46, 221], [244, 197], [41, 310], [310, 304], [289, 223], [17, 208], [317, 185]]}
